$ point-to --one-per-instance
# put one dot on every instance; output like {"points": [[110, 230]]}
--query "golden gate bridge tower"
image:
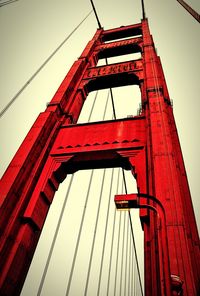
{"points": [[146, 144]]}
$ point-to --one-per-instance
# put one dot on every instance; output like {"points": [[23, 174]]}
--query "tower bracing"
{"points": [[146, 144]]}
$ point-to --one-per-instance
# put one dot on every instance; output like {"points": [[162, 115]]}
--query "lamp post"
{"points": [[141, 200]]}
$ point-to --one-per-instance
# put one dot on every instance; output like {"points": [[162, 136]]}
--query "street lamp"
{"points": [[169, 283]]}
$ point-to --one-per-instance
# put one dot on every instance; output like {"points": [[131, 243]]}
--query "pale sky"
{"points": [[30, 31]]}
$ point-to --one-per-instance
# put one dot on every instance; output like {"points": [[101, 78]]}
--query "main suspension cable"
{"points": [[7, 2], [95, 12], [143, 10], [41, 67], [189, 9]]}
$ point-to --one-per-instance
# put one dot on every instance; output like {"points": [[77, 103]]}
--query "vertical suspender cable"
{"points": [[116, 266], [135, 280], [91, 111], [100, 27], [112, 99], [94, 236], [132, 271], [119, 235], [58, 224], [83, 215], [136, 257], [91, 255], [79, 235], [112, 241], [105, 233], [104, 115], [133, 238], [124, 178], [93, 104], [126, 262], [54, 238], [129, 272], [123, 241], [114, 114]]}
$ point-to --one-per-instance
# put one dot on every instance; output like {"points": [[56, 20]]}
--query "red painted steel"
{"points": [[147, 144]]}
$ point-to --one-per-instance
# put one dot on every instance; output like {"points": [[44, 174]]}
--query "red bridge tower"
{"points": [[147, 144]]}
